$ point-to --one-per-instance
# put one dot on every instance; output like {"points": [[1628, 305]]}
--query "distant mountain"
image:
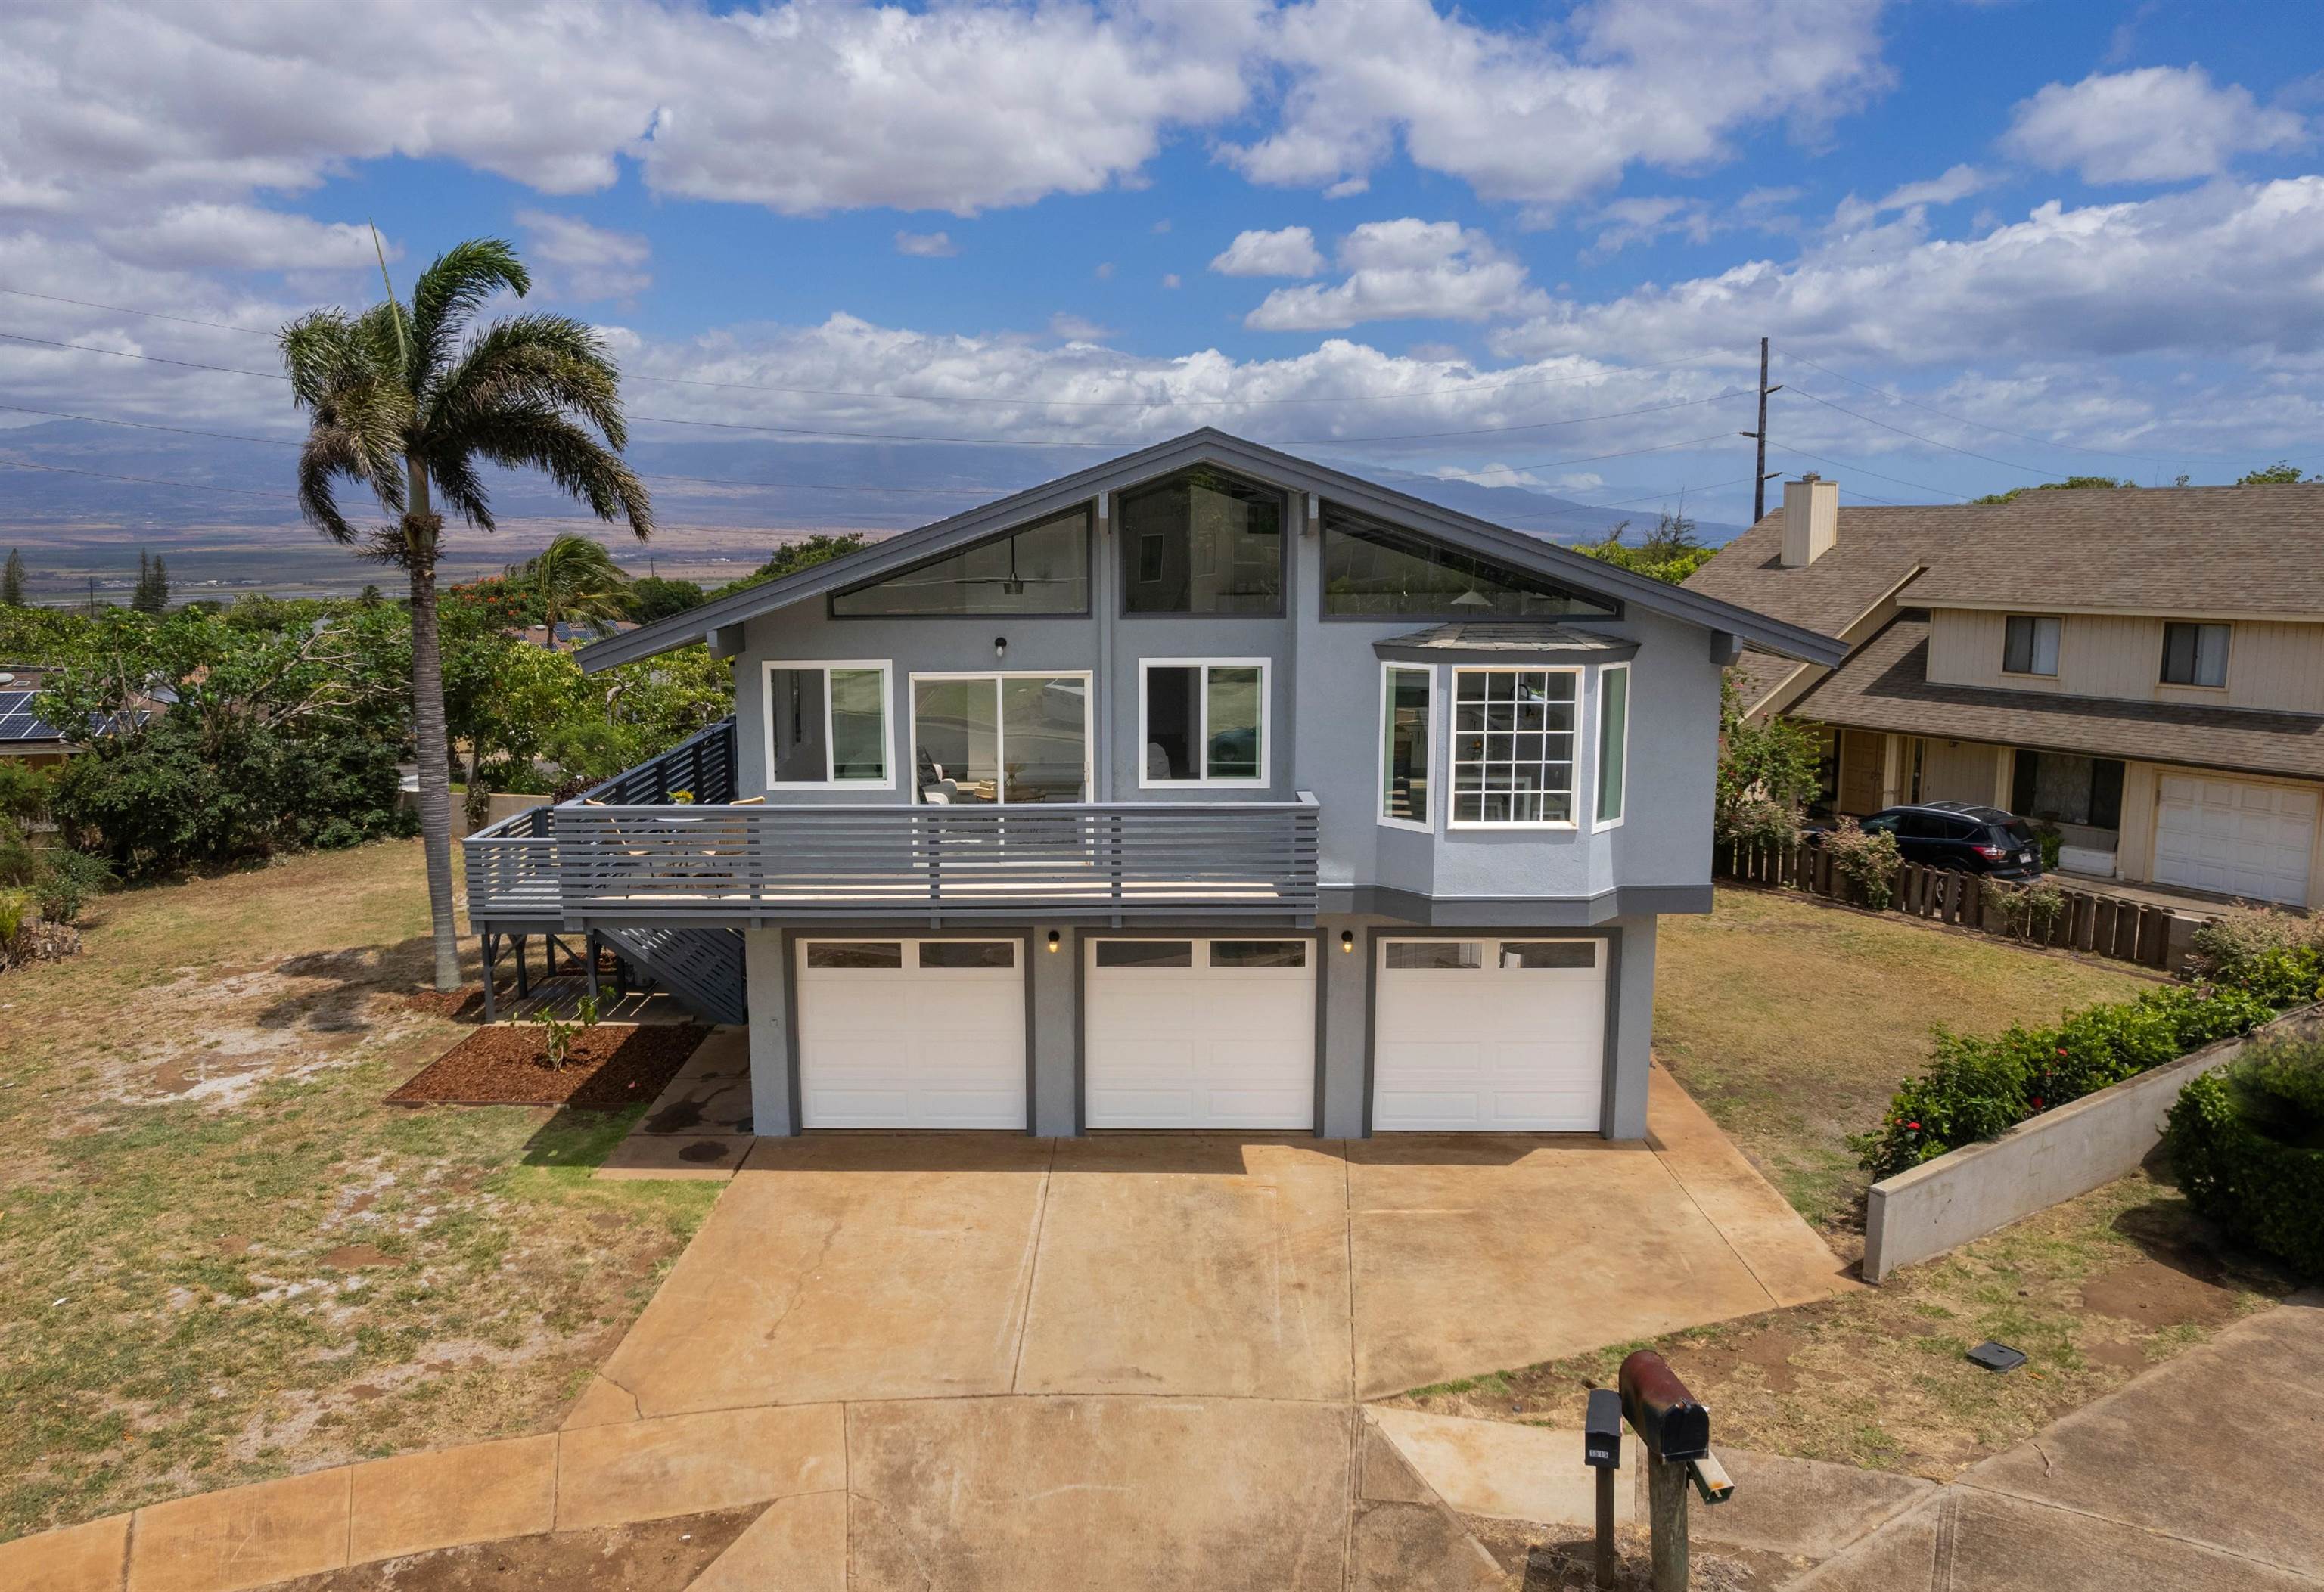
{"points": [[107, 494]]}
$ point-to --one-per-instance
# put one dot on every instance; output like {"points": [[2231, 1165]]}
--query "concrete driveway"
{"points": [[849, 1267]]}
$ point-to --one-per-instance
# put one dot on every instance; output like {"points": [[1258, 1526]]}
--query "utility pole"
{"points": [[1759, 481]]}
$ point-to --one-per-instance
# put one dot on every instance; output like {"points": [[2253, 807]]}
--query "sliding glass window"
{"points": [[827, 723], [1203, 722], [979, 739]]}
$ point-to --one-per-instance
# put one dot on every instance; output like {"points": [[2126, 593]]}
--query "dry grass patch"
{"points": [[223, 1259], [1793, 1022], [2095, 1290]]}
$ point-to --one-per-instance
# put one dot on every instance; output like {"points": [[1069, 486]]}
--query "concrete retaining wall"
{"points": [[1980, 1188]]}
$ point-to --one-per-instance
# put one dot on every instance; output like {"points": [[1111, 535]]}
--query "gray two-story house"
{"points": [[1205, 788]]}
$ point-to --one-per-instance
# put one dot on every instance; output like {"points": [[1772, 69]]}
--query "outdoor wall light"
{"points": [[1053, 942], [999, 646], [1347, 940]]}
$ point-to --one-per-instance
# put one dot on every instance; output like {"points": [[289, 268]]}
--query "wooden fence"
{"points": [[2103, 926]]}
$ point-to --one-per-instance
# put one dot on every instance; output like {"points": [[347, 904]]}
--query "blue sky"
{"points": [[2069, 238]]}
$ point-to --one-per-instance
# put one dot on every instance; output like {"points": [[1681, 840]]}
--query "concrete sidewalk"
{"points": [[2197, 1477]]}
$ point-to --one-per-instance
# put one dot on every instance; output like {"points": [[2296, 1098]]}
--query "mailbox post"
{"points": [[1601, 1450], [1677, 1432]]}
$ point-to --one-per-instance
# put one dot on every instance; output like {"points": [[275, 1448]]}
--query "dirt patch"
{"points": [[464, 1005], [658, 1556], [350, 1258], [1770, 1352], [608, 1068], [2157, 1296], [1563, 1559]]}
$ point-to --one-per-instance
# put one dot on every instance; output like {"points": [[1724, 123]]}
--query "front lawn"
{"points": [[222, 1259], [1793, 1022]]}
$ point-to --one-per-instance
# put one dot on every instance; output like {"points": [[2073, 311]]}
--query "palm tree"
{"points": [[406, 400], [574, 578]]}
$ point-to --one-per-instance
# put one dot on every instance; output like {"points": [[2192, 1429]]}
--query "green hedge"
{"points": [[2247, 1144], [1977, 1089]]}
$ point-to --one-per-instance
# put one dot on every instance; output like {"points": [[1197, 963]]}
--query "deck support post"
{"points": [[589, 961], [492, 949]]}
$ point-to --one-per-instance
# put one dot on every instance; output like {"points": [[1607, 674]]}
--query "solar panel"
{"points": [[18, 720]]}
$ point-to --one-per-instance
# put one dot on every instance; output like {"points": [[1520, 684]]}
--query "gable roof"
{"points": [[2190, 550], [1213, 447]]}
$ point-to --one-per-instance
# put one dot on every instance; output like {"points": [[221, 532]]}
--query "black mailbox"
{"points": [[1673, 1425], [1601, 1430]]}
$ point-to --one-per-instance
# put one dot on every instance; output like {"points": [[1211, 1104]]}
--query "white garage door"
{"points": [[1490, 1035], [911, 1033], [2234, 837], [1200, 1033]]}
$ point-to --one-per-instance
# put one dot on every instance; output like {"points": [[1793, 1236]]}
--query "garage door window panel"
{"points": [[967, 953], [1434, 955], [1513, 742], [1537, 955], [1145, 953], [1233, 953], [827, 957]]}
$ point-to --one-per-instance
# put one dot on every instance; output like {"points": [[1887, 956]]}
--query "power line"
{"points": [[1932, 442], [145, 480], [1630, 453], [1862, 470], [970, 397], [2076, 447], [147, 425], [190, 365]]}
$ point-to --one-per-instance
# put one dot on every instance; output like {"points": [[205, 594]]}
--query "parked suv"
{"points": [[1964, 835]]}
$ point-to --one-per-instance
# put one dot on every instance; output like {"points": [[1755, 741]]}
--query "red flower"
{"points": [[2037, 1105], [2062, 1050], [1914, 1125]]}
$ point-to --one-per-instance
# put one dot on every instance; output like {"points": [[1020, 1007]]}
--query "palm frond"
{"points": [[518, 435], [448, 291], [551, 361], [332, 453]]}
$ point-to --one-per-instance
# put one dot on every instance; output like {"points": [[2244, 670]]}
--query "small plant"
{"points": [[2053, 842], [1868, 859], [18, 911], [559, 1033], [1760, 825], [681, 798], [2247, 1144], [2229, 944], [2025, 912]]}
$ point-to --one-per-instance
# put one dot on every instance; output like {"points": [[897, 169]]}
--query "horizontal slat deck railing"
{"points": [[512, 868], [1142, 860], [702, 766], [2084, 920]]}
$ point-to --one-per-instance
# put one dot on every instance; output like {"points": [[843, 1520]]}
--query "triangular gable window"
{"points": [[1037, 568], [1375, 570]]}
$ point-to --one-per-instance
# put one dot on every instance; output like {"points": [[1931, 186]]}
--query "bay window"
{"points": [[1408, 721]]}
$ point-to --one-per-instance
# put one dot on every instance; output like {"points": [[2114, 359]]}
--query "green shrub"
{"points": [[1868, 859], [2026, 911], [2228, 945], [1977, 1089], [2247, 1146], [17, 910], [65, 880]]}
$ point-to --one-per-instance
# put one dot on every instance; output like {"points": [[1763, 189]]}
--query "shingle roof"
{"points": [[1758, 673], [2190, 550], [1886, 686], [1877, 547]]}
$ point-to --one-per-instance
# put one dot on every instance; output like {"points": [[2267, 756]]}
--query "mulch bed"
{"points": [[608, 1067]]}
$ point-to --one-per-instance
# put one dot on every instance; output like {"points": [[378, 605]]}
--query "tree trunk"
{"points": [[420, 536]]}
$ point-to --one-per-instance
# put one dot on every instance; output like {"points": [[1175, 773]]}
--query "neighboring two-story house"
{"points": [[2142, 667], [1205, 788]]}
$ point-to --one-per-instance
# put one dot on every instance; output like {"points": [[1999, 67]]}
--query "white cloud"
{"points": [[240, 237], [583, 262], [1170, 280], [2154, 124], [1957, 182], [1289, 251], [926, 245], [1075, 328], [2217, 272], [1405, 270], [1527, 116], [1642, 220], [1104, 272]]}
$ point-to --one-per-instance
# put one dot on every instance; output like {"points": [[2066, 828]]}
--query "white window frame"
{"points": [[1202, 721], [766, 722], [1453, 819], [1000, 730], [2035, 652], [1598, 743], [1431, 756]]}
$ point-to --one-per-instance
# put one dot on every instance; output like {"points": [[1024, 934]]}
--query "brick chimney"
{"points": [[1811, 518]]}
